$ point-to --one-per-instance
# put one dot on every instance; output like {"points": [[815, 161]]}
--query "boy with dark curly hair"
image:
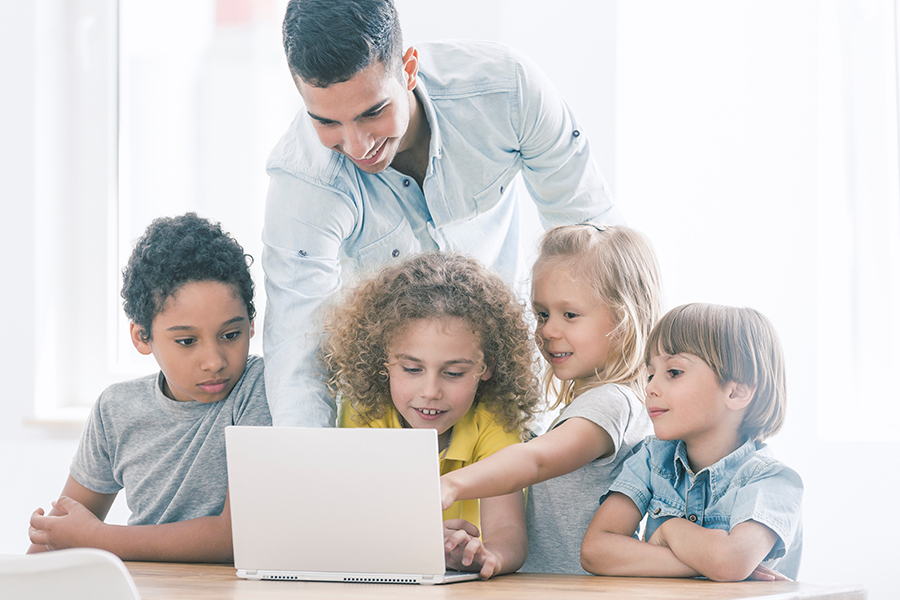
{"points": [[189, 296]]}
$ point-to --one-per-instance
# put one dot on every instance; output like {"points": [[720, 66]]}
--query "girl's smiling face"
{"points": [[435, 366], [574, 328]]}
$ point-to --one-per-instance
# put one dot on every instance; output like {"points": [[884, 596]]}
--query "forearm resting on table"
{"points": [[618, 555], [718, 554]]}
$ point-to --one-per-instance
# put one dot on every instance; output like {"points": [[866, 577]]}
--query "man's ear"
{"points": [[136, 339], [252, 328], [739, 395], [411, 68]]}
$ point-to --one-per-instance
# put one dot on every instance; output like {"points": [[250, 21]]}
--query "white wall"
{"points": [[691, 104]]}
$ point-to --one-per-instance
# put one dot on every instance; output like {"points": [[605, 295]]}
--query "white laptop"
{"points": [[329, 504]]}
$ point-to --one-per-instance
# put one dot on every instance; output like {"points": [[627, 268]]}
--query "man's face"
{"points": [[364, 118]]}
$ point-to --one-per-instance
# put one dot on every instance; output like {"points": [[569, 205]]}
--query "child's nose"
{"points": [[213, 359], [431, 388], [549, 329]]}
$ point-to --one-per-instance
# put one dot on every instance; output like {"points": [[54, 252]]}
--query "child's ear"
{"points": [[488, 372], [739, 395], [136, 339]]}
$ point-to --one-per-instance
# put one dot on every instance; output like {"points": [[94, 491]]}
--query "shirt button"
{"points": [[692, 518], [406, 183], [395, 253], [656, 512], [576, 133]]}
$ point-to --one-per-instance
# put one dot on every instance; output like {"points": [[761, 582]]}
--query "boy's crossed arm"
{"points": [[504, 544], [678, 548], [76, 520]]}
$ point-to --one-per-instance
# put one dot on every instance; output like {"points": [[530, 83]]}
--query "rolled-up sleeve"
{"points": [[559, 170], [305, 225]]}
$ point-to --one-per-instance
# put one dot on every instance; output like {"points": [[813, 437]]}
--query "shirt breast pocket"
{"points": [[397, 244], [491, 195]]}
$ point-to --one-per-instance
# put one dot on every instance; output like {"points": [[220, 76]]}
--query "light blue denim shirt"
{"points": [[748, 484], [493, 115]]}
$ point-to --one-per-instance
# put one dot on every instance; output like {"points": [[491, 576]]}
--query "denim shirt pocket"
{"points": [[490, 196], [396, 244], [658, 511]]}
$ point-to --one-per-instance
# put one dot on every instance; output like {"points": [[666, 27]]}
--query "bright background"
{"points": [[755, 143]]}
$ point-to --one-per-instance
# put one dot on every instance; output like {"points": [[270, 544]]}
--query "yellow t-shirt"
{"points": [[475, 436]]}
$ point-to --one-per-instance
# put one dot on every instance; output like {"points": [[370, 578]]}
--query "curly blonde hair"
{"points": [[619, 266], [360, 329]]}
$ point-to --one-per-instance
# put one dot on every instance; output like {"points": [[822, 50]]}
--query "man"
{"points": [[396, 153]]}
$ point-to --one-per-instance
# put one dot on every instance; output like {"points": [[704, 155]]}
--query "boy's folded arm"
{"points": [[715, 553], [570, 446], [72, 523], [608, 547]]}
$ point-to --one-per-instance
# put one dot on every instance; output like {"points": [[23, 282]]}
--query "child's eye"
{"points": [[570, 315], [673, 373], [453, 374], [231, 335], [185, 342], [411, 369], [541, 315], [649, 377]]}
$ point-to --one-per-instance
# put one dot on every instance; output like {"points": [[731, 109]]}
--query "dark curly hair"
{"points": [[330, 41], [177, 250], [359, 332]]}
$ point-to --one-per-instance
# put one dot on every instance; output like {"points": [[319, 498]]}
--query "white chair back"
{"points": [[74, 574]]}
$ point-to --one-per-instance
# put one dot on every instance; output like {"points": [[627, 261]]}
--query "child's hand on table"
{"points": [[72, 528], [464, 551]]}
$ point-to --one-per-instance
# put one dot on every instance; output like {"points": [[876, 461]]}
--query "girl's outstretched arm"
{"points": [[503, 546], [569, 446], [77, 521], [609, 548]]}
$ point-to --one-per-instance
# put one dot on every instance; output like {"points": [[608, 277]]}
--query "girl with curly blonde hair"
{"points": [[596, 296], [439, 342]]}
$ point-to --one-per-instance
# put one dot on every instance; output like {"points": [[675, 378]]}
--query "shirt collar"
{"points": [[463, 438], [434, 146], [721, 472]]}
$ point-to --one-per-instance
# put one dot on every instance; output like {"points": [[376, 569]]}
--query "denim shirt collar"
{"points": [[720, 473], [434, 146]]}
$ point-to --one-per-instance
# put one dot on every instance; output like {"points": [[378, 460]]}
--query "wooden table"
{"points": [[168, 581]]}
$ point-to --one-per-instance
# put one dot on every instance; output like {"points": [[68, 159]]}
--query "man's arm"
{"points": [[608, 547], [77, 521], [304, 228], [560, 172]]}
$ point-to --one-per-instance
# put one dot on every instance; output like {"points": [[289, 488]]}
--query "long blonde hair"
{"points": [[620, 268]]}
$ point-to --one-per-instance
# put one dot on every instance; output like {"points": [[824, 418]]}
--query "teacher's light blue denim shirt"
{"points": [[493, 116], [748, 484]]}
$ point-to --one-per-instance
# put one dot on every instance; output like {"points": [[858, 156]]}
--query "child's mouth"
{"points": [[213, 387], [429, 413], [558, 357]]}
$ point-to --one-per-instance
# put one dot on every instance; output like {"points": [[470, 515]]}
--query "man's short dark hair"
{"points": [[179, 250], [330, 41]]}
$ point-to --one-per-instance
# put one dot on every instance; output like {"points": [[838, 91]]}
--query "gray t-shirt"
{"points": [[559, 510], [169, 456]]}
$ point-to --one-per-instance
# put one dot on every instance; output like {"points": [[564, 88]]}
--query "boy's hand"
{"points": [[463, 550], [75, 527], [762, 573]]}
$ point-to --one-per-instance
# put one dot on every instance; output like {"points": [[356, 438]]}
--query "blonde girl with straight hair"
{"points": [[596, 296]]}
